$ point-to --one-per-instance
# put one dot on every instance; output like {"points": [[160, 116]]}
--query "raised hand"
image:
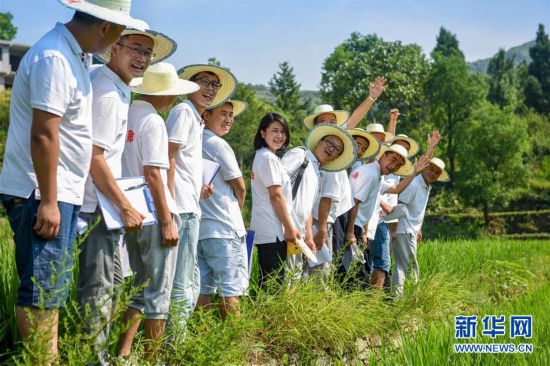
{"points": [[433, 138], [421, 164], [394, 114], [378, 87]]}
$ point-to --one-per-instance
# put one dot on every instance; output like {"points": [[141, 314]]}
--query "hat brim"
{"points": [[227, 79], [349, 154], [239, 107], [374, 144], [180, 88], [341, 118], [113, 16], [414, 146], [163, 46], [406, 169]]}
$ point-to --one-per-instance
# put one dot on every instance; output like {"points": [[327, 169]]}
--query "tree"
{"points": [[452, 92], [502, 89], [354, 64], [447, 44], [7, 29], [214, 61], [286, 90], [491, 154], [537, 88]]}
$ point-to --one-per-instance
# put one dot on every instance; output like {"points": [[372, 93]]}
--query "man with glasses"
{"points": [[100, 274], [185, 131]]}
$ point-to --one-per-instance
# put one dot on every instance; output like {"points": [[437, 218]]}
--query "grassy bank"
{"points": [[317, 322]]}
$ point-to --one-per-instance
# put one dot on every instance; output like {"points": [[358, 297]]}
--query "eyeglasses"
{"points": [[208, 83], [137, 52], [332, 146]]}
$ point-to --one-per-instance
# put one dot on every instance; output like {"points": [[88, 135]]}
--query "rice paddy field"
{"points": [[322, 324]]}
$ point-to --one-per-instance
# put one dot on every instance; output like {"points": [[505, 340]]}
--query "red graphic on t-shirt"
{"points": [[130, 137], [252, 174], [355, 175]]}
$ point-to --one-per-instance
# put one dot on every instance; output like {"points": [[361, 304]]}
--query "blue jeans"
{"points": [[44, 266], [379, 257], [185, 290]]}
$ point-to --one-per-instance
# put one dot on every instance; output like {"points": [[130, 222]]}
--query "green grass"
{"points": [[315, 322]]}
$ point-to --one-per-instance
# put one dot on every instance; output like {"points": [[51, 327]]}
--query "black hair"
{"points": [[266, 120], [85, 18], [194, 77]]}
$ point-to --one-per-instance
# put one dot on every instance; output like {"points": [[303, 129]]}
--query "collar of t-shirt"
{"points": [[423, 182], [313, 160], [121, 85], [207, 133], [197, 114], [144, 105], [73, 43]]}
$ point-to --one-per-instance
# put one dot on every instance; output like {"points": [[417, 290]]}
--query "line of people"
{"points": [[75, 130]]}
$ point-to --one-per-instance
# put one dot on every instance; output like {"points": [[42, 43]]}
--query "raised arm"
{"points": [[392, 124], [421, 164], [376, 89], [433, 140]]}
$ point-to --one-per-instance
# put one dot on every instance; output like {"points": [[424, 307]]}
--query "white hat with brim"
{"points": [[408, 167], [162, 79], [413, 145], [377, 127], [349, 154], [374, 144], [444, 177], [239, 107], [227, 79], [163, 46], [114, 11], [341, 116]]}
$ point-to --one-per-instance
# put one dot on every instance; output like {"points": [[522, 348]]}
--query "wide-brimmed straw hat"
{"points": [[349, 154], [239, 107], [413, 145], [162, 79], [227, 79], [377, 127], [114, 11], [444, 177], [341, 116], [163, 46], [374, 144], [408, 167]]}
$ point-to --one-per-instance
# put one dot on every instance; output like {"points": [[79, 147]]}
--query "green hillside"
{"points": [[518, 54]]}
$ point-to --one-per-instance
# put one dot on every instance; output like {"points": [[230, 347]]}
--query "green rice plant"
{"points": [[8, 290]]}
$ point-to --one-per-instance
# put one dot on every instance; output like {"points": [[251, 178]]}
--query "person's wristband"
{"points": [[372, 98]]}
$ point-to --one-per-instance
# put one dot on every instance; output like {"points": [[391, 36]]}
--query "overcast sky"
{"points": [[253, 37]]}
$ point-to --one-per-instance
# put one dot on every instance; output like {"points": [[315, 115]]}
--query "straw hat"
{"points": [[162, 79], [444, 177], [341, 116], [374, 144], [349, 154], [377, 127], [239, 107], [163, 46], [227, 79], [414, 147], [114, 11], [408, 167]]}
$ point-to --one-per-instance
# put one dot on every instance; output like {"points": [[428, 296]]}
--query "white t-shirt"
{"points": [[389, 198], [346, 196], [146, 145], [267, 171], [185, 125], [52, 78], [308, 190], [109, 120], [415, 197], [329, 187], [376, 215], [365, 186], [221, 214]]}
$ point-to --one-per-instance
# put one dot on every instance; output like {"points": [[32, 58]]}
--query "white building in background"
{"points": [[10, 57]]}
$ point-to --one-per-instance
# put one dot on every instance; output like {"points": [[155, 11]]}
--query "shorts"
{"points": [[44, 267]]}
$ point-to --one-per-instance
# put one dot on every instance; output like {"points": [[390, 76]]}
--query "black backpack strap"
{"points": [[299, 176]]}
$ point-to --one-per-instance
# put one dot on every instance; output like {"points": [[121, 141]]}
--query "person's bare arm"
{"points": [[433, 140], [239, 189], [172, 150], [387, 208], [323, 212], [376, 89], [350, 236], [309, 234], [106, 183], [419, 166], [392, 124], [279, 205], [169, 231], [45, 154]]}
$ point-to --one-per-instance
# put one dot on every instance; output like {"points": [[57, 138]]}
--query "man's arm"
{"points": [[323, 212], [361, 111], [45, 154], [172, 150], [419, 166], [392, 124], [433, 140], [239, 189], [350, 236], [309, 234], [106, 183], [156, 186]]}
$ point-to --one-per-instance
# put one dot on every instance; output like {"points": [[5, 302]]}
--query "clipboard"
{"points": [[209, 170]]}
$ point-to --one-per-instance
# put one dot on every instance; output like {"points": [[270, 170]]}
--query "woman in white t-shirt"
{"points": [[271, 198]]}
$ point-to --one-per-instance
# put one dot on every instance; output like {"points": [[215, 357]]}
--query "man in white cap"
{"points": [[221, 249], [100, 272], [409, 230], [152, 251], [47, 157], [185, 127]]}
